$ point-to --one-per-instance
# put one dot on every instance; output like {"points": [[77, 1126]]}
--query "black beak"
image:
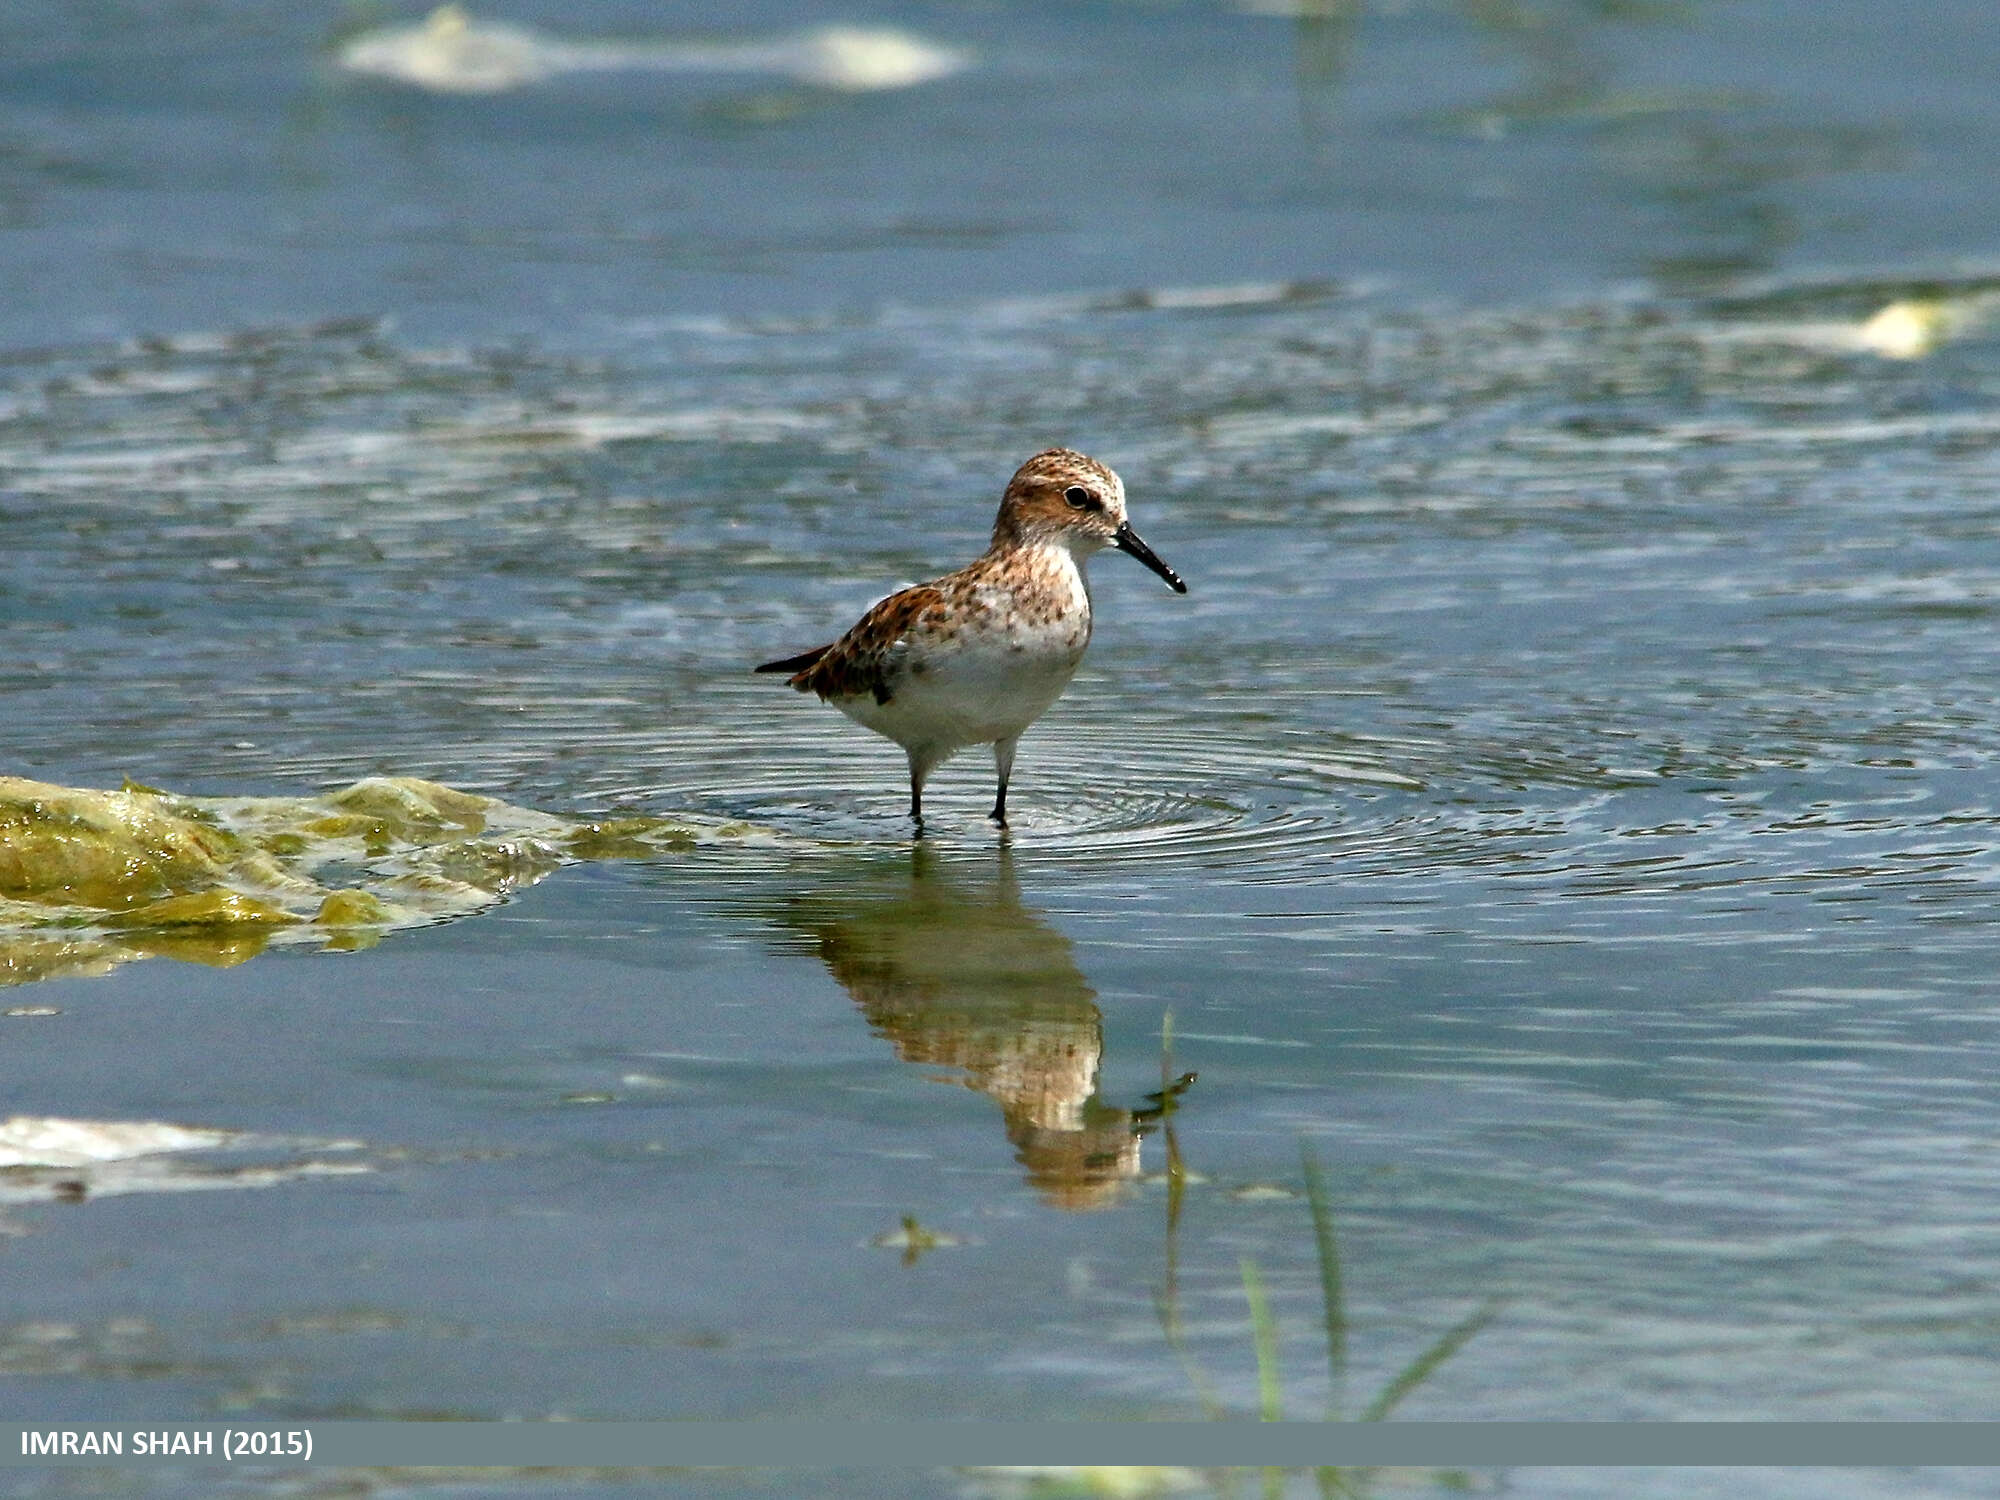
{"points": [[1127, 540]]}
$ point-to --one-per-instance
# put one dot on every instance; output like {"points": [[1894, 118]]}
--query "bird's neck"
{"points": [[1041, 565]]}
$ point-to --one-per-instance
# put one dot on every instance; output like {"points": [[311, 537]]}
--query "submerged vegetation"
{"points": [[1348, 1483]]}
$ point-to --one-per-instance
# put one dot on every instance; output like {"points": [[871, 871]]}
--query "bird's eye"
{"points": [[1079, 498]]}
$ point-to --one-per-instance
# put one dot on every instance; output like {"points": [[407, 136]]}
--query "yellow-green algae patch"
{"points": [[91, 879], [106, 850]]}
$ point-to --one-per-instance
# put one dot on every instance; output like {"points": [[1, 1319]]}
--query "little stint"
{"points": [[975, 657]]}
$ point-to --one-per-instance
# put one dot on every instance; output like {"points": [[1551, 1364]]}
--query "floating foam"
{"points": [[1910, 328], [50, 1157], [451, 53], [51, 1141]]}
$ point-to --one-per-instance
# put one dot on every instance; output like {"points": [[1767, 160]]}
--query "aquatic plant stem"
{"points": [[1418, 1370], [1264, 1335], [1331, 1299], [1166, 1302]]}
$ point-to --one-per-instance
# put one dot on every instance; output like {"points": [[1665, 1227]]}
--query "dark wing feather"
{"points": [[796, 663], [866, 659]]}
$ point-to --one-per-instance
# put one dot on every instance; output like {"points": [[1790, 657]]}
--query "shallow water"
{"points": [[1563, 802], [1567, 811]]}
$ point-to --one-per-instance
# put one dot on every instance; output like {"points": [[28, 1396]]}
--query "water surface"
{"points": [[1563, 803]]}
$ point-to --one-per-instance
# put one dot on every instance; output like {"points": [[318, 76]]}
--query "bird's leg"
{"points": [[919, 769], [1003, 760]]}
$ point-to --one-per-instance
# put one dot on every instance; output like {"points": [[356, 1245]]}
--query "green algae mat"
{"points": [[92, 879]]}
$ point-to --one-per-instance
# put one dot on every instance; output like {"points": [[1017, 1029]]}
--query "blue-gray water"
{"points": [[1565, 800]]}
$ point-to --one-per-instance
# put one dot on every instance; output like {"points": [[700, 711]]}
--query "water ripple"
{"points": [[1527, 597]]}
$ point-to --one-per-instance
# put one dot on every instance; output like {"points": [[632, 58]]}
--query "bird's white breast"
{"points": [[1008, 649]]}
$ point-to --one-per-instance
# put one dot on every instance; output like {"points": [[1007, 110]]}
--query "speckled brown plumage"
{"points": [[866, 659], [976, 656]]}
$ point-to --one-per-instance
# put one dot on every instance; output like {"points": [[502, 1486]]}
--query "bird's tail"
{"points": [[796, 663]]}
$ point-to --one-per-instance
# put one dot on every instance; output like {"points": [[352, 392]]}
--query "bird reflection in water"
{"points": [[957, 973]]}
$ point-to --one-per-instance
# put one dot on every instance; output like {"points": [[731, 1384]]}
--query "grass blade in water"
{"points": [[1264, 1331], [1332, 1303], [1418, 1370]]}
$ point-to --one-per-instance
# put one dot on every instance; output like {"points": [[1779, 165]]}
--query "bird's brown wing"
{"points": [[868, 659]]}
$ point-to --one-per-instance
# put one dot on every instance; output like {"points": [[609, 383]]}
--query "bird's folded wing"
{"points": [[871, 658]]}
